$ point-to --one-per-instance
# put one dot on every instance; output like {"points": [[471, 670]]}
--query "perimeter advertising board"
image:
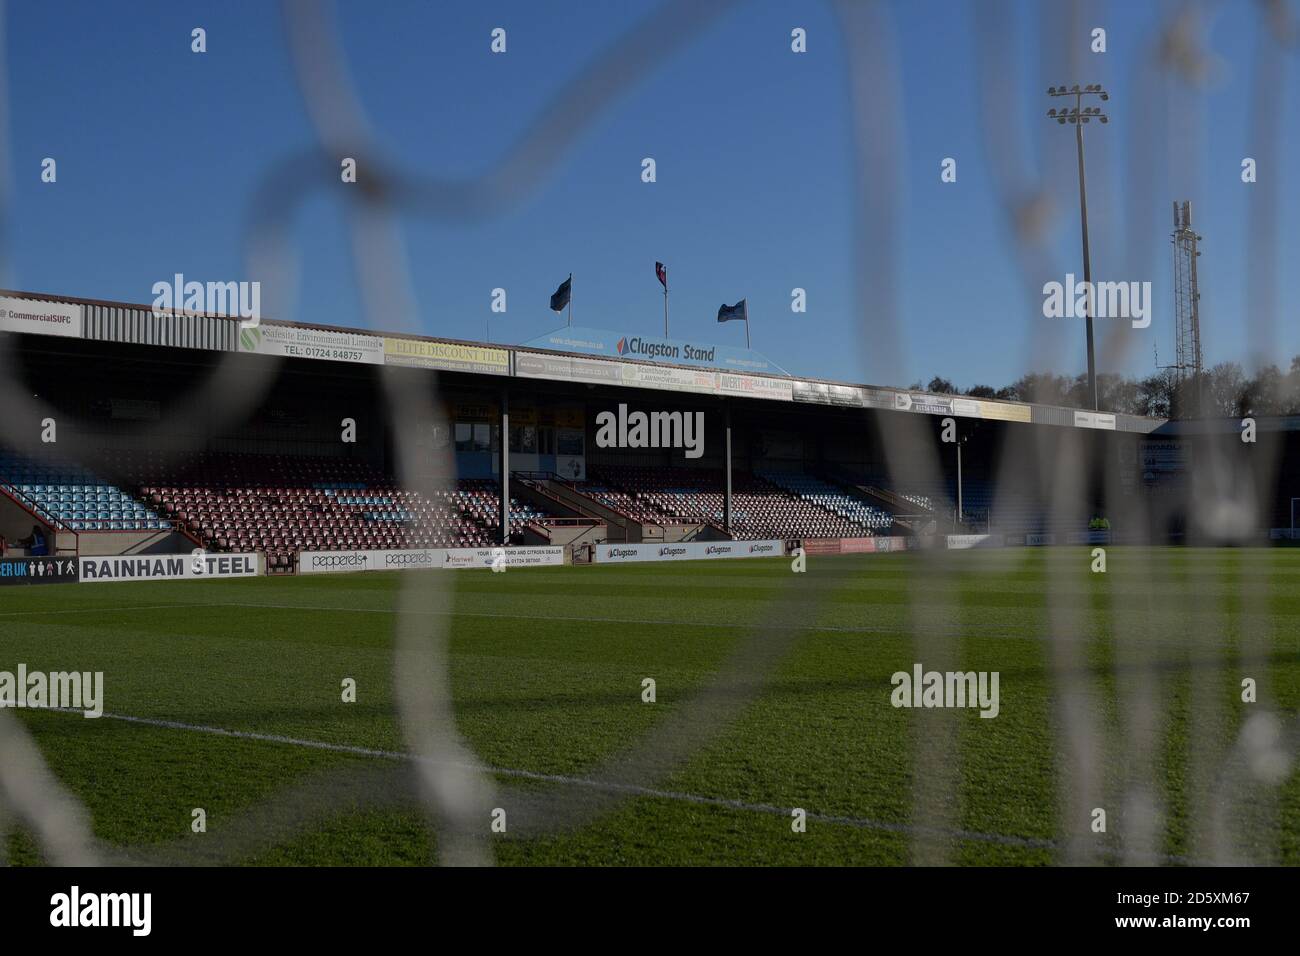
{"points": [[168, 567], [38, 570], [513, 557], [333, 562], [687, 551]]}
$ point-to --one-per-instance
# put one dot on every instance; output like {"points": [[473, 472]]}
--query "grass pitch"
{"points": [[547, 668]]}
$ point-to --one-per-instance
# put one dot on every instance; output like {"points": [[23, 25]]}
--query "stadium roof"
{"points": [[134, 323]]}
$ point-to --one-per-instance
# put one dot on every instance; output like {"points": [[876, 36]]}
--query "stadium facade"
{"points": [[129, 433]]}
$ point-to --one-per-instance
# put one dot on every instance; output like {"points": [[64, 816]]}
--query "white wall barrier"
{"points": [[330, 562], [969, 540], [1088, 537], [514, 557], [167, 567], [687, 551]]}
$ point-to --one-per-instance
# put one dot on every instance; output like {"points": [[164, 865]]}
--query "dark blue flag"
{"points": [[727, 313], [561, 297]]}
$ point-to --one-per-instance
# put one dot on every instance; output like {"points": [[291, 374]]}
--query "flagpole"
{"points": [[747, 325], [570, 300], [665, 308]]}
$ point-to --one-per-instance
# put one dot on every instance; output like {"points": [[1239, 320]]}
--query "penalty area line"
{"points": [[608, 786]]}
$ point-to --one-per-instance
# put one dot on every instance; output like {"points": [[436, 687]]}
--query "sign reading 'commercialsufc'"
{"points": [[286, 341], [168, 567], [37, 570], [40, 318]]}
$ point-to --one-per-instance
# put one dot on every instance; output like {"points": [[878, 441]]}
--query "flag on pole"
{"points": [[561, 296], [662, 274], [728, 313]]}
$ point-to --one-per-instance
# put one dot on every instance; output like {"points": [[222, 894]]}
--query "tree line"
{"points": [[1226, 390]]}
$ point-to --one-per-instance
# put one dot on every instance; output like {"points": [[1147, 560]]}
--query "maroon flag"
{"points": [[662, 274]]}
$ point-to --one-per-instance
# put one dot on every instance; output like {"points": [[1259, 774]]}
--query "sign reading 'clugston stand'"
{"points": [[649, 348]]}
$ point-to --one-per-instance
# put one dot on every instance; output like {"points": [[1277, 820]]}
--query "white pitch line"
{"points": [[103, 610], [899, 630], [632, 789]]}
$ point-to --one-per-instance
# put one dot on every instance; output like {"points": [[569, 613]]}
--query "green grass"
{"points": [[546, 670]]}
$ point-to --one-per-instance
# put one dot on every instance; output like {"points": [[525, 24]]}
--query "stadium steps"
{"points": [[619, 527]]}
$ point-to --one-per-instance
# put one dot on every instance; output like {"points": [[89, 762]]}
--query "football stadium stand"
{"points": [[281, 504], [760, 508], [261, 466], [71, 497], [832, 498]]}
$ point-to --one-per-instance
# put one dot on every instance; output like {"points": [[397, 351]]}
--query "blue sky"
{"points": [[160, 151]]}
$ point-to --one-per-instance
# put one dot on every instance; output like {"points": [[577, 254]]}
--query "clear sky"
{"points": [[160, 151]]}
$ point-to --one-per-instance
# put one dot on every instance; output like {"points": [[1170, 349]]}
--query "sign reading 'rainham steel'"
{"points": [[168, 567]]}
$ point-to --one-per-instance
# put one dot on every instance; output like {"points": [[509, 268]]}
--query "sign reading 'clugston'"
{"points": [[647, 348]]}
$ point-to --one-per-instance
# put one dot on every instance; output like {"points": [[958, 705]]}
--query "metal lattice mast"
{"points": [[1187, 306]]}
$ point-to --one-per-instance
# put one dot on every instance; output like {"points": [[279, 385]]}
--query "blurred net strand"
{"points": [[457, 797]]}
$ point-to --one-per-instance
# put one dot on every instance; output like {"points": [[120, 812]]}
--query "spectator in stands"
{"points": [[34, 542]]}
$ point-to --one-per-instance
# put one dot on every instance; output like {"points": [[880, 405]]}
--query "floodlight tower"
{"points": [[1187, 306], [1078, 115]]}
